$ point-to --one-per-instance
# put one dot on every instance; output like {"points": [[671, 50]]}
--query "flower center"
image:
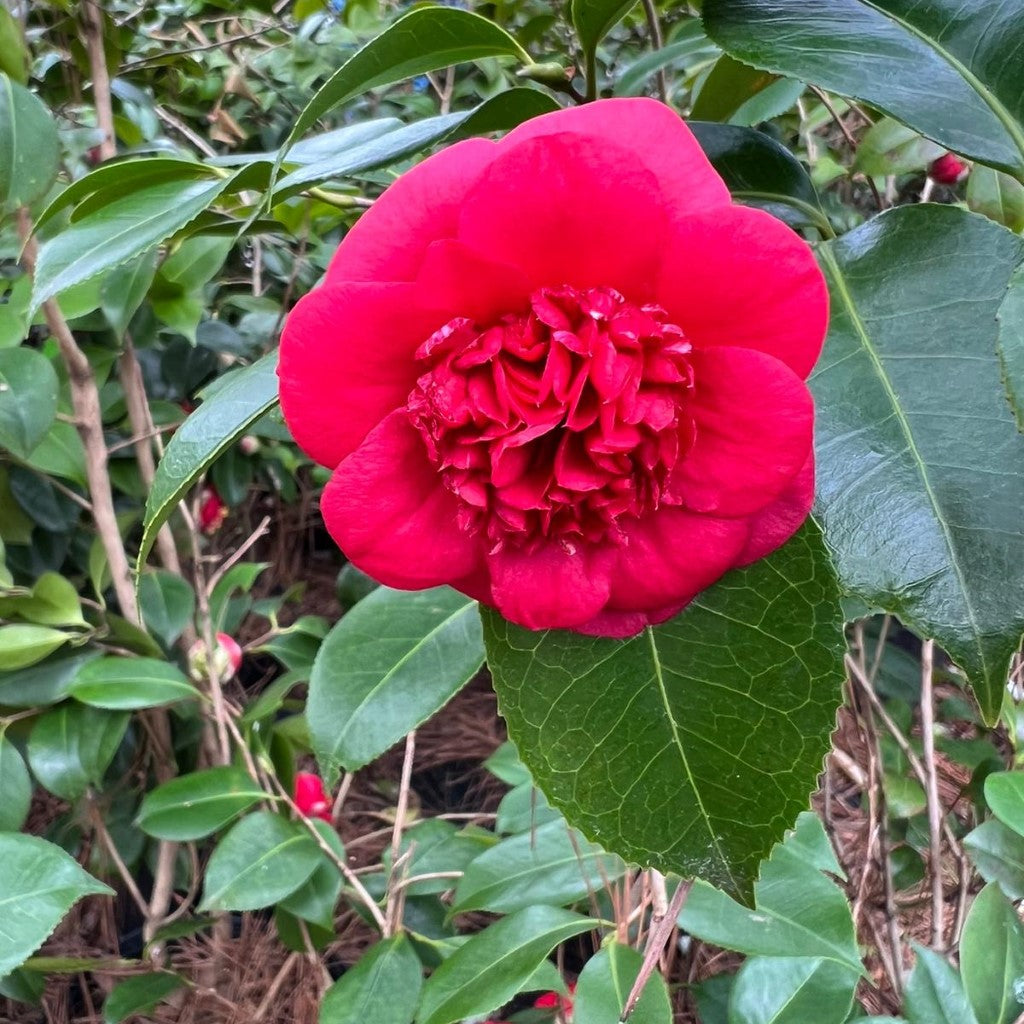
{"points": [[559, 421]]}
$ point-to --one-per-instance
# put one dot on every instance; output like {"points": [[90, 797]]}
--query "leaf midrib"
{"points": [[858, 324]]}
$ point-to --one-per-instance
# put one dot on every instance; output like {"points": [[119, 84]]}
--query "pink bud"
{"points": [[212, 510], [249, 445], [229, 645], [310, 797], [948, 169]]}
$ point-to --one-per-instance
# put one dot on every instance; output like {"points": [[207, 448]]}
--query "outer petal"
{"points": [[388, 241], [774, 525], [549, 588], [387, 509], [755, 425], [740, 277], [655, 132], [347, 360], [569, 209], [625, 624]]}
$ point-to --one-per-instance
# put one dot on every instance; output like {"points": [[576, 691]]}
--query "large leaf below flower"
{"points": [[694, 745], [920, 466], [951, 69]]}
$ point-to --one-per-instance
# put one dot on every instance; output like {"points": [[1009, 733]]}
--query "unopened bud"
{"points": [[310, 797], [948, 169]]}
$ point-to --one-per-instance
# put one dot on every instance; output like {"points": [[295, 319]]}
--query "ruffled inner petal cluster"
{"points": [[562, 373]]}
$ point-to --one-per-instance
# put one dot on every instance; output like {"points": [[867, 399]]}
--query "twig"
{"points": [[394, 901], [108, 844], [261, 531], [339, 800], [932, 793], [275, 986], [657, 42]]}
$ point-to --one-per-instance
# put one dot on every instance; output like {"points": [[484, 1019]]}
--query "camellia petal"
{"points": [[389, 240], [774, 525], [754, 423], [568, 210], [740, 277], [389, 513], [657, 136], [346, 361]]}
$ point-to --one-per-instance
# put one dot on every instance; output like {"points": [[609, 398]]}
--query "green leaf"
{"points": [[13, 55], [61, 453], [382, 988], [1011, 344], [195, 805], [594, 19], [550, 865], [949, 69], [242, 398], [258, 862], [992, 957], [760, 172], [689, 48], [53, 601], [15, 787], [934, 993], [605, 984], [167, 603], [997, 196], [120, 231], [908, 383], [43, 684], [792, 990], [426, 39], [125, 684], [28, 399], [389, 664], [495, 964], [797, 909], [889, 147], [70, 747], [23, 644], [730, 707], [317, 897], [29, 147], [998, 854], [139, 994], [1004, 794], [728, 86], [124, 290], [39, 884]]}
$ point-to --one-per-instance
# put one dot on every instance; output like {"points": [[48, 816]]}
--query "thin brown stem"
{"points": [[655, 944], [932, 793]]}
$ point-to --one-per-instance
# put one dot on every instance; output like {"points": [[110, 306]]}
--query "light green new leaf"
{"points": [[382, 988], [39, 884], [495, 964], [605, 984], [387, 666], [29, 147], [950, 69], [125, 684], [920, 466], [992, 957], [244, 397], [997, 196], [194, 805], [23, 644], [695, 744], [258, 862]]}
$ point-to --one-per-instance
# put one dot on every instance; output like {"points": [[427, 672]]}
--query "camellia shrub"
{"points": [[657, 370]]}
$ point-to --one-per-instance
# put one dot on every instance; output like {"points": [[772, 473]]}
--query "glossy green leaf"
{"points": [[125, 684], [426, 39], [909, 381], [934, 993], [494, 964], [39, 884], [949, 69], [23, 644], [998, 854], [438, 846], [760, 172], [15, 787], [317, 897], [605, 983], [119, 232], [28, 398], [382, 988], [45, 683], [796, 909], [29, 147], [889, 147], [124, 290], [729, 85], [593, 19], [389, 664], [139, 995], [1011, 344], [792, 990], [61, 453], [992, 957], [1004, 794], [71, 746], [997, 196], [194, 805], [258, 862], [13, 53], [52, 601], [550, 865], [244, 397], [719, 718], [167, 603]]}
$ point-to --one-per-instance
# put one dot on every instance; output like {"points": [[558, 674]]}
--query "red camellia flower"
{"points": [[310, 797], [212, 510], [563, 373], [560, 1003], [948, 169]]}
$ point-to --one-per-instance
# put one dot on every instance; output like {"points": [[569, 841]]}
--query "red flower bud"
{"points": [[229, 645], [948, 169], [310, 797], [555, 1001], [212, 511]]}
